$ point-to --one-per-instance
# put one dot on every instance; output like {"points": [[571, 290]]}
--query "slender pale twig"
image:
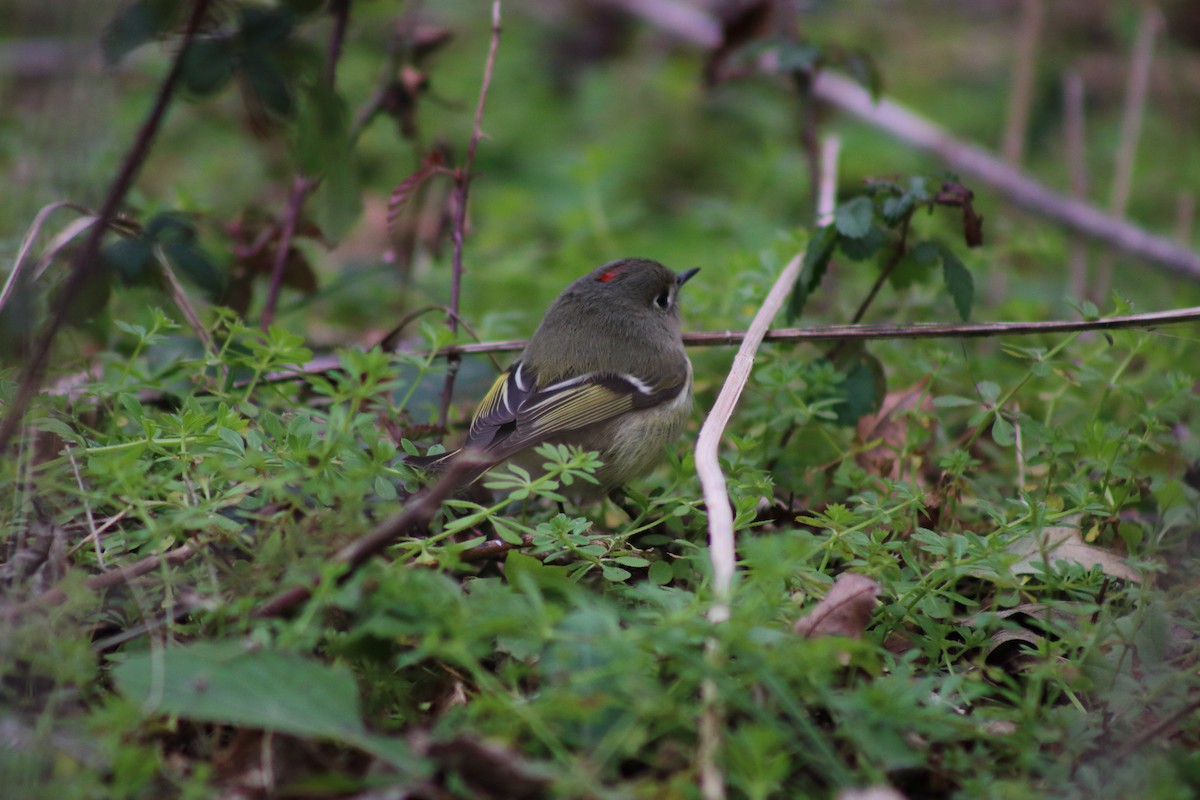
{"points": [[1131, 127], [27, 243], [703, 29], [1075, 145], [1020, 101]]}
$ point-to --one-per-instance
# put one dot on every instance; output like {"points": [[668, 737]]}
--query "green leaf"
{"points": [[959, 283], [265, 27], [853, 218], [863, 247], [206, 66], [136, 25], [323, 147], [661, 573], [196, 266], [131, 258], [1003, 433], [268, 85], [228, 683], [816, 260]]}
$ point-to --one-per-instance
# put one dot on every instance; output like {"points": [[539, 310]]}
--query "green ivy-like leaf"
{"points": [[959, 282], [853, 218]]}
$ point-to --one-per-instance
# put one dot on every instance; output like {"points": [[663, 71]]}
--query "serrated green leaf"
{"points": [[959, 283], [853, 218]]}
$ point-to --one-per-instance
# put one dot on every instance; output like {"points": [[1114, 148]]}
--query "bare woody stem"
{"points": [[462, 186]]}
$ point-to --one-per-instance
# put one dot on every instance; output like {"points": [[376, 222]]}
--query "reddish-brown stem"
{"points": [[301, 186], [462, 185], [86, 265]]}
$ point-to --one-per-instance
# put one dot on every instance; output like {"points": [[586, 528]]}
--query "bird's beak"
{"points": [[685, 276]]}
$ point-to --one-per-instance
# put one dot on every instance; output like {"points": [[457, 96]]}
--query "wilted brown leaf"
{"points": [[892, 426], [845, 611]]}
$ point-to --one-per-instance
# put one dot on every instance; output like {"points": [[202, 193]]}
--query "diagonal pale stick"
{"points": [[716, 497]]}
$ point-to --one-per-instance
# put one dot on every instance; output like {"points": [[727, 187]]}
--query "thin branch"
{"points": [[407, 522], [87, 262], [1075, 145], [1133, 112], [1029, 34], [913, 330], [103, 581], [1014, 184], [301, 187], [340, 11], [462, 186], [831, 148], [708, 468], [897, 255]]}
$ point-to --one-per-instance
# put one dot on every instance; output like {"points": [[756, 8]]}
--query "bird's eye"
{"points": [[663, 301]]}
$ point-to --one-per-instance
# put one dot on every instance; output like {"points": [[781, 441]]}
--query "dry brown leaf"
{"points": [[892, 428], [871, 793], [845, 611], [1065, 544]]}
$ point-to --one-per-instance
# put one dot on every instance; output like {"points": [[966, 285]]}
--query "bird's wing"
{"points": [[516, 414]]}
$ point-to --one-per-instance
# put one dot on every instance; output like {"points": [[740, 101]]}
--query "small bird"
{"points": [[606, 371]]}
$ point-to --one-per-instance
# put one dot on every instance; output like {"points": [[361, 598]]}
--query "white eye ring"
{"points": [[663, 301]]}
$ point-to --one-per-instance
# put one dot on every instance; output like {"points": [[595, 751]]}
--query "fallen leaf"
{"points": [[871, 793], [892, 427], [845, 611], [1065, 544]]}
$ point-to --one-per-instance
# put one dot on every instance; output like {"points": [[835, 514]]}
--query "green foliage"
{"points": [[1025, 505]]}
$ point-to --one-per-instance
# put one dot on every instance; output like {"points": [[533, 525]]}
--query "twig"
{"points": [[1075, 144], [493, 548], [413, 516], [913, 330], [1029, 34], [105, 580], [721, 551], [708, 468], [179, 295], [86, 262], [301, 187], [1185, 210], [1131, 127], [93, 533], [831, 147], [1014, 184], [897, 255], [462, 185], [704, 30], [340, 11]]}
